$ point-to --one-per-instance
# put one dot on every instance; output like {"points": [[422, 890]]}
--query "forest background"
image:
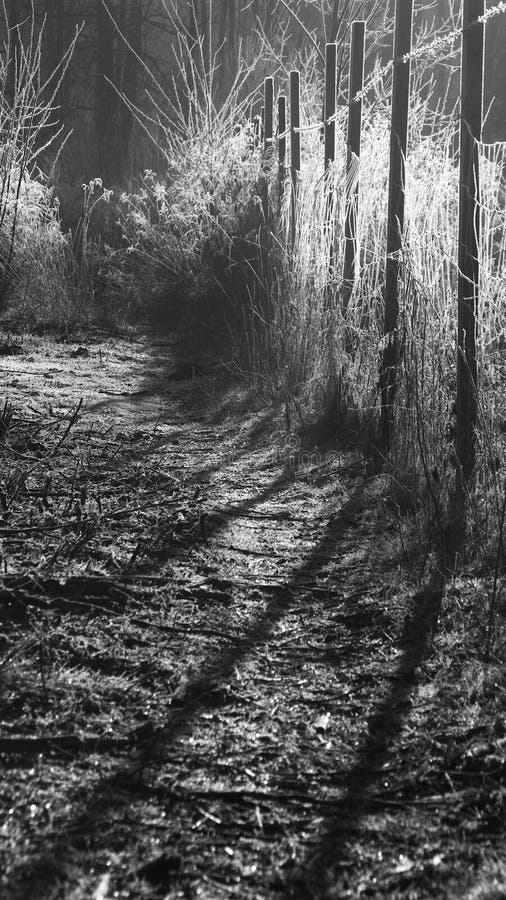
{"points": [[121, 41]]}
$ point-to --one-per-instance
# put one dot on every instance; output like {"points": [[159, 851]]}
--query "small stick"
{"points": [[72, 422]]}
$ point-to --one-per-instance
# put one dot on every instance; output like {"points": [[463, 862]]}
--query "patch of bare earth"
{"points": [[217, 678]]}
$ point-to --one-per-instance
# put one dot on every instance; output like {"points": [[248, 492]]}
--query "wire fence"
{"points": [[471, 35], [425, 51]]}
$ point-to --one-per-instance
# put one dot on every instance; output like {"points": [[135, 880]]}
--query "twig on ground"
{"points": [[72, 421]]}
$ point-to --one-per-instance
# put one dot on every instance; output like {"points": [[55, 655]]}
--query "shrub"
{"points": [[35, 262], [183, 232]]}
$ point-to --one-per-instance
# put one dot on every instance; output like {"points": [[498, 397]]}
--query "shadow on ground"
{"points": [[117, 791]]}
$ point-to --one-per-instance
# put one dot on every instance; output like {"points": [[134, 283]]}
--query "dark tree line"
{"points": [[121, 40]]}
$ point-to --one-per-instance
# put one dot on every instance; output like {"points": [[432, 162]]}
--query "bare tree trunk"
{"points": [[15, 14], [334, 23], [56, 23], [105, 97], [129, 81], [232, 29], [56, 28], [222, 44], [205, 28], [228, 28]]}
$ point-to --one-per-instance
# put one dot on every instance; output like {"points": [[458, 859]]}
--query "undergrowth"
{"points": [[33, 251], [48, 279]]}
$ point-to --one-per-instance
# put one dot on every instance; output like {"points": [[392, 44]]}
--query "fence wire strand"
{"points": [[431, 48]]}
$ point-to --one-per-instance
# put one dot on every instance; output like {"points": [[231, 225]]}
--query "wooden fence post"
{"points": [[257, 130], [329, 112], [281, 148], [473, 35], [268, 119], [330, 104], [268, 113], [352, 171], [294, 146], [395, 224]]}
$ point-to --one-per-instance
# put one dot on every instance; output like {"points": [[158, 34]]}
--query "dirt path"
{"points": [[215, 679]]}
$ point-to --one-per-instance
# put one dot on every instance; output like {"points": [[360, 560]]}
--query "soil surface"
{"points": [[219, 673]]}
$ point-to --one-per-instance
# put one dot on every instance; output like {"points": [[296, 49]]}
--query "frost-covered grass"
{"points": [[325, 357], [35, 282]]}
